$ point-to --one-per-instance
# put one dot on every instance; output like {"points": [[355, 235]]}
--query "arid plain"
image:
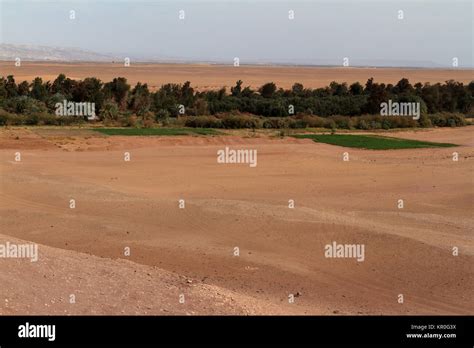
{"points": [[191, 251], [210, 77]]}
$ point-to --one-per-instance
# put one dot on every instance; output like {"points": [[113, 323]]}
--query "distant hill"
{"points": [[46, 53], [65, 54]]}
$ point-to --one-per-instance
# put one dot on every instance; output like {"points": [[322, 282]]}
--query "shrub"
{"points": [[38, 118], [446, 119], [128, 121], [110, 111], [240, 121], [331, 124], [42, 119], [202, 122], [425, 122], [9, 119], [342, 122], [162, 115], [314, 121], [362, 124], [24, 105], [386, 124], [147, 123]]}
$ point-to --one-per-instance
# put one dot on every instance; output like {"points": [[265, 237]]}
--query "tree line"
{"points": [[118, 98]]}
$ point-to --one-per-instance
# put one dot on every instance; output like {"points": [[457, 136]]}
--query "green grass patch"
{"points": [[371, 142], [157, 131]]}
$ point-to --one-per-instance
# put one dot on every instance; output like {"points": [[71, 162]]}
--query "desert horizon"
{"points": [[215, 76]]}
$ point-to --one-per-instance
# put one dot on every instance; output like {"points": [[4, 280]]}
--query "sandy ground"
{"points": [[103, 286], [205, 77], [191, 251]]}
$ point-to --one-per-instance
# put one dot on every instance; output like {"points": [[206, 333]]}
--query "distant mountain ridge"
{"points": [[47, 53], [9, 52]]}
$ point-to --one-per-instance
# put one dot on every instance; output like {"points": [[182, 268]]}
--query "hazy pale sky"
{"points": [[322, 32]]}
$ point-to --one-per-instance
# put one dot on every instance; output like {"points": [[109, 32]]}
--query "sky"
{"points": [[367, 32]]}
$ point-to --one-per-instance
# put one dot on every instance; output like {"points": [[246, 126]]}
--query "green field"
{"points": [[157, 131], [371, 142]]}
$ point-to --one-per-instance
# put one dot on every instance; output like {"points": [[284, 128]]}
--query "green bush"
{"points": [[331, 124], [362, 124], [446, 119], [24, 105], [202, 122], [341, 122], [110, 111], [9, 119], [38, 118], [240, 121], [162, 115], [128, 121], [314, 121], [425, 122]]}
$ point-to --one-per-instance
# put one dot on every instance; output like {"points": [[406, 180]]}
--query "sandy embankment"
{"points": [[68, 282]]}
